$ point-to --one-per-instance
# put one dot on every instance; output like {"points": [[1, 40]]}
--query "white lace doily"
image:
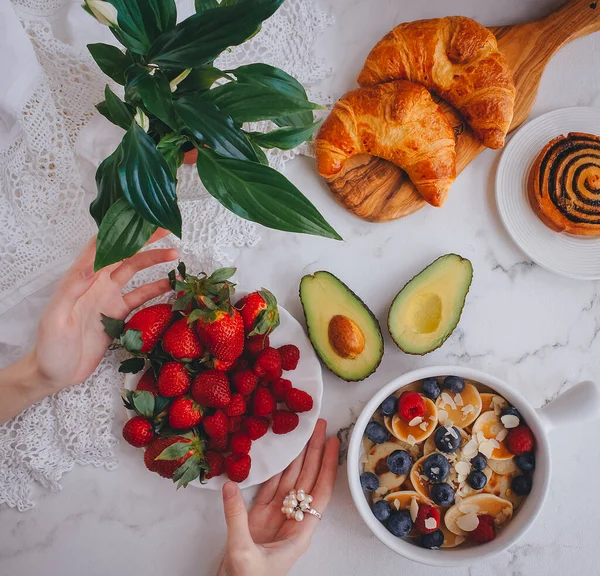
{"points": [[44, 222]]}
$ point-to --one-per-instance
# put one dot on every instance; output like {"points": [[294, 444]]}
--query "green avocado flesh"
{"points": [[427, 310], [324, 297]]}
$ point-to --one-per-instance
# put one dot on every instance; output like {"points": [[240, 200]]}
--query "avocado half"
{"points": [[343, 331], [427, 310]]}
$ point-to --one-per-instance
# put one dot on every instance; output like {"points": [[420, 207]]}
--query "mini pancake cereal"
{"points": [[447, 462]]}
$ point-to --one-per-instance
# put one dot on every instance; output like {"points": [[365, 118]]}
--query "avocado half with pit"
{"points": [[343, 331], [427, 310]]}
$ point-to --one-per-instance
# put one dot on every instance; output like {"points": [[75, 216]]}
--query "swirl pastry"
{"points": [[564, 184]]}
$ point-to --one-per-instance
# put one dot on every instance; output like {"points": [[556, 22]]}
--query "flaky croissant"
{"points": [[457, 58], [397, 121]]}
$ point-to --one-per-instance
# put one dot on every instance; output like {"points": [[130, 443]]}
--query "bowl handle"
{"points": [[579, 404]]}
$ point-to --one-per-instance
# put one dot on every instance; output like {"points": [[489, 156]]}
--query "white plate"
{"points": [[272, 453], [565, 254]]}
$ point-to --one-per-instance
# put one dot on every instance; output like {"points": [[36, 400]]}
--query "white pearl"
{"points": [[293, 502], [309, 499], [290, 515], [292, 493], [300, 491], [287, 510], [304, 505], [300, 496], [286, 501], [299, 516]]}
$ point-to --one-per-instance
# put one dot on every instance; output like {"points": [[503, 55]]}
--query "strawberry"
{"points": [[263, 402], [235, 424], [211, 388], [259, 312], [242, 363], [411, 405], [290, 355], [148, 382], [485, 531], [520, 440], [428, 519], [204, 292], [298, 400], [238, 466], [237, 406], [240, 443], [245, 381], [151, 322], [181, 342], [216, 463], [256, 344], [216, 425], [255, 427], [184, 413], [279, 389], [284, 421], [221, 332], [138, 431], [173, 380], [220, 444], [221, 365], [268, 364], [163, 456]]}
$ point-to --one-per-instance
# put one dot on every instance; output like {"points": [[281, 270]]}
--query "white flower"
{"points": [[104, 12], [177, 80], [142, 119]]}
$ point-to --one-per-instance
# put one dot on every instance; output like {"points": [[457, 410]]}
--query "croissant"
{"points": [[397, 121], [457, 58]]}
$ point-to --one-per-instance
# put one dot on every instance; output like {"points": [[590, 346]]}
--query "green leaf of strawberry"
{"points": [[174, 451], [143, 403], [183, 302], [132, 366], [132, 341], [222, 274], [160, 403], [112, 326]]}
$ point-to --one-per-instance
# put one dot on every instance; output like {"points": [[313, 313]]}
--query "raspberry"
{"points": [[255, 427], [268, 364], [245, 381], [298, 400], [263, 402], [485, 531], [217, 425], [279, 389], [235, 424], [237, 406], [520, 440], [256, 344], [220, 444], [216, 462], [411, 405], [424, 519], [238, 467], [240, 443], [290, 355], [284, 421]]}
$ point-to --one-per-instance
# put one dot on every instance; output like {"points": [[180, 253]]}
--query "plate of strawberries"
{"points": [[219, 386]]}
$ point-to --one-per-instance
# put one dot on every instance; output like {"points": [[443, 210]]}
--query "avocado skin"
{"points": [[458, 316], [326, 361]]}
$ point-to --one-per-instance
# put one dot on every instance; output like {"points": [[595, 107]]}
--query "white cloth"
{"points": [[51, 141]]}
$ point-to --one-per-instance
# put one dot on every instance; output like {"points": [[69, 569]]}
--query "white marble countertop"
{"points": [[538, 331]]}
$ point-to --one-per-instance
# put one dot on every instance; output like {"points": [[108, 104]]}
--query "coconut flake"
{"points": [[462, 468], [411, 440], [447, 399], [468, 522], [423, 426], [501, 435], [431, 523], [416, 421], [458, 399], [510, 421], [414, 509]]}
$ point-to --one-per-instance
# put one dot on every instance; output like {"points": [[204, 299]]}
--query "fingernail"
{"points": [[229, 490]]}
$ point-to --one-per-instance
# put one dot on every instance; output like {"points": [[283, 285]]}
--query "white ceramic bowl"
{"points": [[580, 403]]}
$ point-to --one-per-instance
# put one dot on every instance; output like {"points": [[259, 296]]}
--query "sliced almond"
{"points": [[447, 399], [411, 440], [416, 421], [470, 448], [468, 522], [442, 415], [423, 426], [510, 421], [502, 435], [486, 448], [431, 523], [450, 430], [462, 468], [468, 508], [467, 409], [458, 399], [397, 504], [414, 509]]}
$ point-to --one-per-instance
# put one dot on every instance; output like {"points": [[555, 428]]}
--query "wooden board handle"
{"points": [[574, 19]]}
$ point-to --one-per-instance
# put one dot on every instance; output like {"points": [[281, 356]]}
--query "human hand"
{"points": [[264, 541]]}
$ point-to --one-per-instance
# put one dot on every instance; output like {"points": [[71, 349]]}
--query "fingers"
{"points": [[140, 261], [236, 516], [290, 476], [85, 260], [146, 292], [158, 235], [312, 460], [268, 490]]}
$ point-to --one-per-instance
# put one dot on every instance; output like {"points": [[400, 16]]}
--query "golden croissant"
{"points": [[397, 121], [458, 59]]}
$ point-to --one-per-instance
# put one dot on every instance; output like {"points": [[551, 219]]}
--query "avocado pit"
{"points": [[345, 337]]}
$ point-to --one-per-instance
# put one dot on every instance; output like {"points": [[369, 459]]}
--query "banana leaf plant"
{"points": [[176, 101]]}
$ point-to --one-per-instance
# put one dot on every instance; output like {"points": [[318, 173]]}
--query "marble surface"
{"points": [[538, 331]]}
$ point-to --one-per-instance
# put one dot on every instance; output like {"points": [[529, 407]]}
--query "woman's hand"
{"points": [[264, 542], [71, 340]]}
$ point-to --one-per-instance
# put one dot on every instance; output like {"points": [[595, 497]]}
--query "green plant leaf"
{"points": [[170, 148], [160, 403], [121, 234], [155, 93], [143, 402], [132, 366], [132, 341], [200, 38], [260, 194], [134, 75], [108, 185], [285, 138], [111, 61], [131, 31], [119, 112], [213, 128], [260, 153], [112, 326], [175, 451], [199, 80], [202, 5], [253, 102], [147, 181]]}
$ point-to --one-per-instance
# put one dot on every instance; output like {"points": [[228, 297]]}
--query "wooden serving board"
{"points": [[378, 191]]}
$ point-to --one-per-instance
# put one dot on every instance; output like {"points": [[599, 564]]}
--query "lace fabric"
{"points": [[44, 221]]}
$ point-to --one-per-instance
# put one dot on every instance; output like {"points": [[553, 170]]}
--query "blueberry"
{"points": [[454, 383], [525, 462], [389, 406], [431, 388], [382, 510], [479, 462], [433, 539], [442, 494], [369, 481], [511, 411], [446, 441], [477, 480], [521, 485], [436, 467], [376, 432], [400, 523], [399, 462]]}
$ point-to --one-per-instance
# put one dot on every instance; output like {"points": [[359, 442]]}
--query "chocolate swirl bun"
{"points": [[564, 184]]}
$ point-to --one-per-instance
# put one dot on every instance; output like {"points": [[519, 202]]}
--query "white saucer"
{"points": [[565, 254]]}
